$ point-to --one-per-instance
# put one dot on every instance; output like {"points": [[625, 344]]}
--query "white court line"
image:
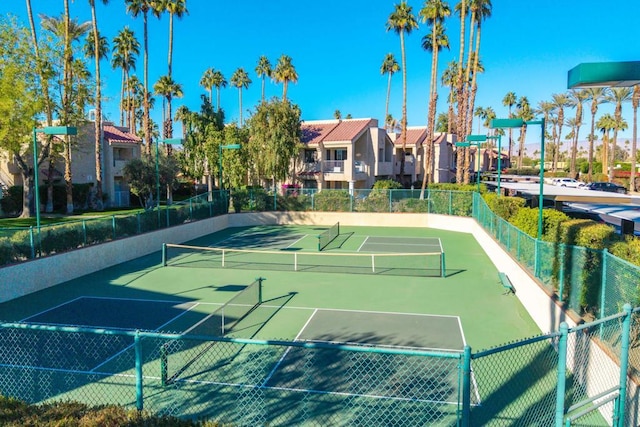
{"points": [[387, 346], [301, 238], [360, 311], [277, 365], [365, 241], [155, 330], [50, 309]]}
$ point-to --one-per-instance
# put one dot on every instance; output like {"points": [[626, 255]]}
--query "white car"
{"points": [[568, 182]]}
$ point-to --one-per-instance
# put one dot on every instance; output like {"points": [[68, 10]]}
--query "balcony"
{"points": [[333, 166]]}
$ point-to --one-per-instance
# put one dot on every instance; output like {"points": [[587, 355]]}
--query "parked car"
{"points": [[606, 186], [567, 182]]}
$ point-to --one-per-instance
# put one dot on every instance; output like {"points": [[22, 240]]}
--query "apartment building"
{"points": [[118, 147]]}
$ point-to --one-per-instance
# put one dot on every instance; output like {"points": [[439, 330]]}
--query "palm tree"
{"points": [[635, 101], [596, 96], [240, 79], [264, 70], [207, 82], [136, 8], [218, 82], [509, 101], [460, 130], [617, 95], [576, 99], [434, 14], [523, 111], [605, 124], [402, 21], [448, 79], [133, 101], [285, 72], [98, 55], [177, 8], [389, 66], [545, 108], [169, 89], [125, 49], [560, 101]]}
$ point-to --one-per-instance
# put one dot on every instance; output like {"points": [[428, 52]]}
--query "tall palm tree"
{"points": [[559, 101], [605, 123], [635, 101], [461, 7], [448, 79], [434, 14], [441, 41], [617, 95], [125, 50], [177, 8], [207, 80], [98, 55], [240, 79], [576, 99], [285, 72], [169, 89], [264, 70], [389, 67], [545, 108], [523, 111], [137, 8], [133, 101], [402, 21], [509, 101], [481, 10], [218, 82], [596, 96]]}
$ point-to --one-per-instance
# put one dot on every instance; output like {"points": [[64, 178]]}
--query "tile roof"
{"points": [[314, 132], [119, 135], [416, 135]]}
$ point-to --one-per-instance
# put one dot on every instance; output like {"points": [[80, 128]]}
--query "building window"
{"points": [[341, 154], [310, 156]]}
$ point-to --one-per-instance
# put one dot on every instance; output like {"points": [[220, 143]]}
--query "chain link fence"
{"points": [[569, 377]]}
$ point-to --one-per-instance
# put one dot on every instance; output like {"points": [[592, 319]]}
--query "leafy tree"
{"points": [[20, 103], [141, 176], [275, 133]]}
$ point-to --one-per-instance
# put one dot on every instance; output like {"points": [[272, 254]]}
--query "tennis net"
{"points": [[177, 358], [328, 236], [430, 264]]}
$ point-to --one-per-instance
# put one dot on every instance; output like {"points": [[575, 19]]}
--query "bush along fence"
{"points": [[574, 376]]}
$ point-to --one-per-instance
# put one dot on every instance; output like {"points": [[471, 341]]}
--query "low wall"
{"points": [[31, 276]]}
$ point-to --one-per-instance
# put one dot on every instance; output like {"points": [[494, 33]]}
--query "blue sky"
{"points": [[337, 47]]}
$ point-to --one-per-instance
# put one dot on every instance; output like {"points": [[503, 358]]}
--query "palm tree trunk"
{"points": [[145, 96], [591, 138], [386, 108], [459, 96], [240, 103], [523, 136], [403, 132], [98, 118], [170, 54]]}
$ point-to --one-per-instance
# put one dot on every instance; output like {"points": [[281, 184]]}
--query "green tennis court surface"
{"points": [[334, 300]]}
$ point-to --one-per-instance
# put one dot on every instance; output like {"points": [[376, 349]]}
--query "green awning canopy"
{"points": [[604, 74]]}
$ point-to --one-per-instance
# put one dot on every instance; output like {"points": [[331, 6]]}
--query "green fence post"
{"points": [[561, 273], [390, 201], [603, 281], [275, 199], [113, 226], [32, 242], [624, 365], [536, 260], [139, 224], [164, 254], [562, 374], [166, 211], [450, 202], [190, 210], [466, 387], [139, 394], [84, 231]]}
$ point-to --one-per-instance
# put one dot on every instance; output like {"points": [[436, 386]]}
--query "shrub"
{"points": [[387, 184], [504, 207], [333, 201]]}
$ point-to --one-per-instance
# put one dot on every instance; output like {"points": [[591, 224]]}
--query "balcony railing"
{"points": [[333, 166]]}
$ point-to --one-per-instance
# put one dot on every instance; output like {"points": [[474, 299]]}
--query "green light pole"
{"points": [[49, 130], [499, 166], [518, 123], [224, 147]]}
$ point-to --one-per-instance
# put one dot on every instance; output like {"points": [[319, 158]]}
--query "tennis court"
{"points": [[389, 320]]}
